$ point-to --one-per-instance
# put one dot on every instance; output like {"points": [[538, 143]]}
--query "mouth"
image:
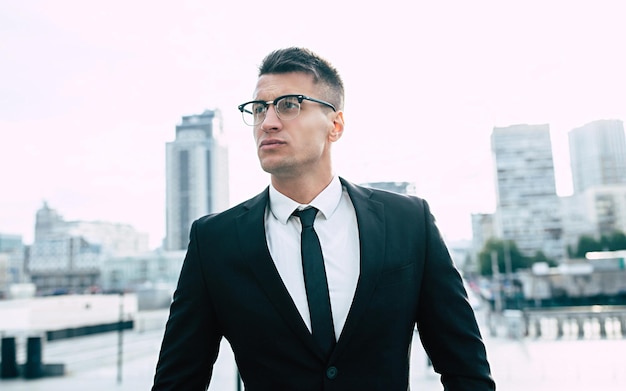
{"points": [[271, 143]]}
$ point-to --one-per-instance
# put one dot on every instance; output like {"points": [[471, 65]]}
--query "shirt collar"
{"points": [[326, 202]]}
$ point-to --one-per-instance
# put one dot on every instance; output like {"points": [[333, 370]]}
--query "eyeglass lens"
{"points": [[286, 108]]}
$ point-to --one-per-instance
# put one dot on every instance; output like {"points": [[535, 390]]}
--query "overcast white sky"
{"points": [[90, 92]]}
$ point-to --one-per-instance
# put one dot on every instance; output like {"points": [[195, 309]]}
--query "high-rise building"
{"points": [[48, 223], [599, 210], [598, 154], [527, 208], [196, 175]]}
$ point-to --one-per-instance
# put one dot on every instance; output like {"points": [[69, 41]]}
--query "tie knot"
{"points": [[307, 216]]}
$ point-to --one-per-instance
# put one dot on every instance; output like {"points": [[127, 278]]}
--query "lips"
{"points": [[271, 143]]}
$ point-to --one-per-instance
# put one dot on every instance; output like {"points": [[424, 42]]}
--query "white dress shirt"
{"points": [[337, 229]]}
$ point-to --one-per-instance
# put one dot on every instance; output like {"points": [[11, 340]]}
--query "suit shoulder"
{"points": [[396, 201], [231, 213], [387, 196]]}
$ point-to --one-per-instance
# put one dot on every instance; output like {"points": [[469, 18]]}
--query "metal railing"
{"points": [[595, 321]]}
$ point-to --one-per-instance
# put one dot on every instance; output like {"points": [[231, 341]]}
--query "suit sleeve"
{"points": [[192, 336], [446, 321]]}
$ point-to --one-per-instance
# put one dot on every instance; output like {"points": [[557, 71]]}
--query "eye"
{"points": [[258, 108], [288, 104]]}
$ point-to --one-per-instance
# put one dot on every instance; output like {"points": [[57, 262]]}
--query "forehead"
{"points": [[270, 86]]}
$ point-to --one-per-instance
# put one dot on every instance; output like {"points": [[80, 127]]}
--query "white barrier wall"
{"points": [[62, 312]]}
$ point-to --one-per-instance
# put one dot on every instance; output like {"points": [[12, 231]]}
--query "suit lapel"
{"points": [[251, 230], [371, 224]]}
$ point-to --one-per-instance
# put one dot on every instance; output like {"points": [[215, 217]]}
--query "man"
{"points": [[384, 267]]}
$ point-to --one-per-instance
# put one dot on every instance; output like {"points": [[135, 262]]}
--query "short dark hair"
{"points": [[303, 60]]}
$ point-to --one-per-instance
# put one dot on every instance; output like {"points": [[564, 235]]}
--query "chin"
{"points": [[271, 163], [277, 169], [270, 167]]}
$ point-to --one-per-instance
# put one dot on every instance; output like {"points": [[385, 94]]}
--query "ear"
{"points": [[337, 130]]}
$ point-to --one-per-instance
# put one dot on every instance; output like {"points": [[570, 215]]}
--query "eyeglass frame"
{"points": [[266, 104]]}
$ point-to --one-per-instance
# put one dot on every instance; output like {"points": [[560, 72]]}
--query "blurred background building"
{"points": [[151, 275], [528, 210], [598, 161], [196, 175], [527, 206], [581, 235], [598, 154], [68, 256], [12, 254]]}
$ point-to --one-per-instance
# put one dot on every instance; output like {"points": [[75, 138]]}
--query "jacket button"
{"points": [[331, 373]]}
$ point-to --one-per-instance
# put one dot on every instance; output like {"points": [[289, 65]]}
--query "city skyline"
{"points": [[90, 99]]}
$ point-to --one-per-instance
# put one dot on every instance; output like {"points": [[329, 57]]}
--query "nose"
{"points": [[271, 122]]}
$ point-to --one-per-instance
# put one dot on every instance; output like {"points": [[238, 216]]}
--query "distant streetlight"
{"points": [[120, 341]]}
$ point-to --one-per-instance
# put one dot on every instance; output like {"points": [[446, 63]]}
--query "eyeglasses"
{"points": [[287, 108]]}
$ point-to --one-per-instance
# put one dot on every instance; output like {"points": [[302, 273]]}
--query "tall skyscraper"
{"points": [[528, 208], [196, 175], [598, 154]]}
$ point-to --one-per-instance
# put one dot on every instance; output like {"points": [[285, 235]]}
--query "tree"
{"points": [[541, 257], [609, 242], [614, 241], [585, 245], [501, 247]]}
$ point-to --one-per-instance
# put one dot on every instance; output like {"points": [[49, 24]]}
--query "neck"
{"points": [[301, 189]]}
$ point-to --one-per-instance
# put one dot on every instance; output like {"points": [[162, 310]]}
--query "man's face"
{"points": [[299, 146]]}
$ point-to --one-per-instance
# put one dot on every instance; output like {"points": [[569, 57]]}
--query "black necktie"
{"points": [[315, 283]]}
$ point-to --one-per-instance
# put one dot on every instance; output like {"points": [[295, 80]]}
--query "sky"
{"points": [[90, 93]]}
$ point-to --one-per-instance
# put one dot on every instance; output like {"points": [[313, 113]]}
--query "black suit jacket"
{"points": [[229, 287]]}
